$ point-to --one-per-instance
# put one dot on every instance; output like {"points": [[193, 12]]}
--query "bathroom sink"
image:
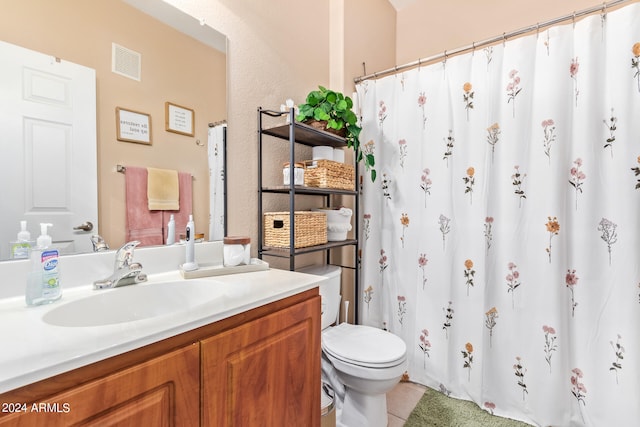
{"points": [[134, 302]]}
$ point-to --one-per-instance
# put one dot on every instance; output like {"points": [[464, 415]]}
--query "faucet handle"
{"points": [[99, 243], [124, 255]]}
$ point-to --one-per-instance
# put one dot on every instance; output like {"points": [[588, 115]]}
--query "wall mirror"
{"points": [[181, 60]]}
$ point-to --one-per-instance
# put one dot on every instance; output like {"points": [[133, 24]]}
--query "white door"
{"points": [[48, 169]]}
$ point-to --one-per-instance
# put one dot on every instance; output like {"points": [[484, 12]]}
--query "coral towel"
{"points": [[163, 190], [142, 224]]}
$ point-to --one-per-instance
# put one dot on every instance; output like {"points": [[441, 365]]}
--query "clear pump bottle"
{"points": [[22, 245], [43, 282]]}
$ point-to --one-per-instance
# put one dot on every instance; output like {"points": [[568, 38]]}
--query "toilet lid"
{"points": [[363, 345]]}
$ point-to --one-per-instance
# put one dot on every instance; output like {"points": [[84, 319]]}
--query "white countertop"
{"points": [[33, 350]]}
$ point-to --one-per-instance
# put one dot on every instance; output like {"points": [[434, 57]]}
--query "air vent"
{"points": [[125, 62]]}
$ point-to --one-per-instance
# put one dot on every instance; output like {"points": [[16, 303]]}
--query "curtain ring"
{"points": [[573, 19], [445, 57], [537, 29], [504, 39], [473, 48]]}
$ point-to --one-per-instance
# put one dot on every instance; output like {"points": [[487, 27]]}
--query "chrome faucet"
{"points": [[125, 271]]}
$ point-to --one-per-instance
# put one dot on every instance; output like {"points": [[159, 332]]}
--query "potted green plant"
{"points": [[334, 111]]}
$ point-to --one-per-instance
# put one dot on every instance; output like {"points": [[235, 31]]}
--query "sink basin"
{"points": [[134, 302]]}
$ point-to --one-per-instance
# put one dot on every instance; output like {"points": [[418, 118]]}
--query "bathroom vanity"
{"points": [[248, 356]]}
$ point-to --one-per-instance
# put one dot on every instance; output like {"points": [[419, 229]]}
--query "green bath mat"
{"points": [[435, 409]]}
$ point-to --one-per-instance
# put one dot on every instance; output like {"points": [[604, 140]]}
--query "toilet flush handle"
{"points": [[345, 315]]}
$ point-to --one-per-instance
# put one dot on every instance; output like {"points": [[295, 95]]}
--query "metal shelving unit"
{"points": [[299, 133]]}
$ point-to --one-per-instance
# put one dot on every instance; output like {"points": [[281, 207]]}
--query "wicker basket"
{"points": [[329, 174], [311, 229]]}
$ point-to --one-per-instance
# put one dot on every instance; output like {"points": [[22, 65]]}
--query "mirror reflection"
{"points": [[179, 61]]}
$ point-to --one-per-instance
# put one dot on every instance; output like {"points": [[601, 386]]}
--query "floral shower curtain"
{"points": [[501, 239]]}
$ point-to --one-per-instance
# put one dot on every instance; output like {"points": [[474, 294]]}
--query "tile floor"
{"points": [[401, 401]]}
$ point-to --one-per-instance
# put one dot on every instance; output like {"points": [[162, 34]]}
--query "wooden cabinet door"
{"points": [[164, 391], [265, 372]]}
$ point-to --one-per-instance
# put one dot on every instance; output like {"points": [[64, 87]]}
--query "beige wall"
{"points": [[429, 27], [175, 68], [370, 38]]}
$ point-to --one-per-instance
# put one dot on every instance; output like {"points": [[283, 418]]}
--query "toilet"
{"points": [[368, 362]]}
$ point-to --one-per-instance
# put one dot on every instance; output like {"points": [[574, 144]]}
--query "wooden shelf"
{"points": [[306, 135]]}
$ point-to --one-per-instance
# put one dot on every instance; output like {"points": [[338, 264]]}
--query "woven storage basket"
{"points": [[311, 229], [329, 174]]}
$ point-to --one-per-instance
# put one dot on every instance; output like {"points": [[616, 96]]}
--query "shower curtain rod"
{"points": [[602, 8]]}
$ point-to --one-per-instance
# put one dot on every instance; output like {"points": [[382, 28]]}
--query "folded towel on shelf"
{"points": [[142, 224], [163, 189]]}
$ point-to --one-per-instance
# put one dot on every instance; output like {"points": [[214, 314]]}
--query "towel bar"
{"points": [[123, 169]]}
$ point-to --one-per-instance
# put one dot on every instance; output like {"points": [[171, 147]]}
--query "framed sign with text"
{"points": [[179, 119], [133, 126]]}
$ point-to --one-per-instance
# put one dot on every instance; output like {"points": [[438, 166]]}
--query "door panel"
{"points": [[48, 166]]}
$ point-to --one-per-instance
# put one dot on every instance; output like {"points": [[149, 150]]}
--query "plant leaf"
{"points": [[349, 102], [350, 117], [314, 98], [370, 160], [320, 114]]}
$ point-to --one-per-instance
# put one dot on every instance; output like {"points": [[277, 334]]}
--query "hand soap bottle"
{"points": [[22, 245], [43, 282]]}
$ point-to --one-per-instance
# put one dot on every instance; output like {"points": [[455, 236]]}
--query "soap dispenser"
{"points": [[22, 245], [43, 282]]}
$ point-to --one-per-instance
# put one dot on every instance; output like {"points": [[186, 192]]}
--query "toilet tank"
{"points": [[329, 291]]}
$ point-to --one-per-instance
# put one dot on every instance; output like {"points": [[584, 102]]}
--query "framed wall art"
{"points": [[133, 126], [179, 119]]}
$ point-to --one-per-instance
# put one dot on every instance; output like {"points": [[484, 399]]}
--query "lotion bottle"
{"points": [[171, 231], [43, 283], [190, 262]]}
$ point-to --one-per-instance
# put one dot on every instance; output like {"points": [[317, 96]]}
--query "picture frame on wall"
{"points": [[133, 126], [179, 119]]}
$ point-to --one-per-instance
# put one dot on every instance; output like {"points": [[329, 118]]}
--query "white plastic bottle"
{"points": [[22, 245], [171, 231], [43, 283], [190, 262]]}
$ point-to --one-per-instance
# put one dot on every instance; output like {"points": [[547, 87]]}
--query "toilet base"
{"points": [[362, 410]]}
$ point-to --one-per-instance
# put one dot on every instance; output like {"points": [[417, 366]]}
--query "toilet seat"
{"points": [[364, 346]]}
